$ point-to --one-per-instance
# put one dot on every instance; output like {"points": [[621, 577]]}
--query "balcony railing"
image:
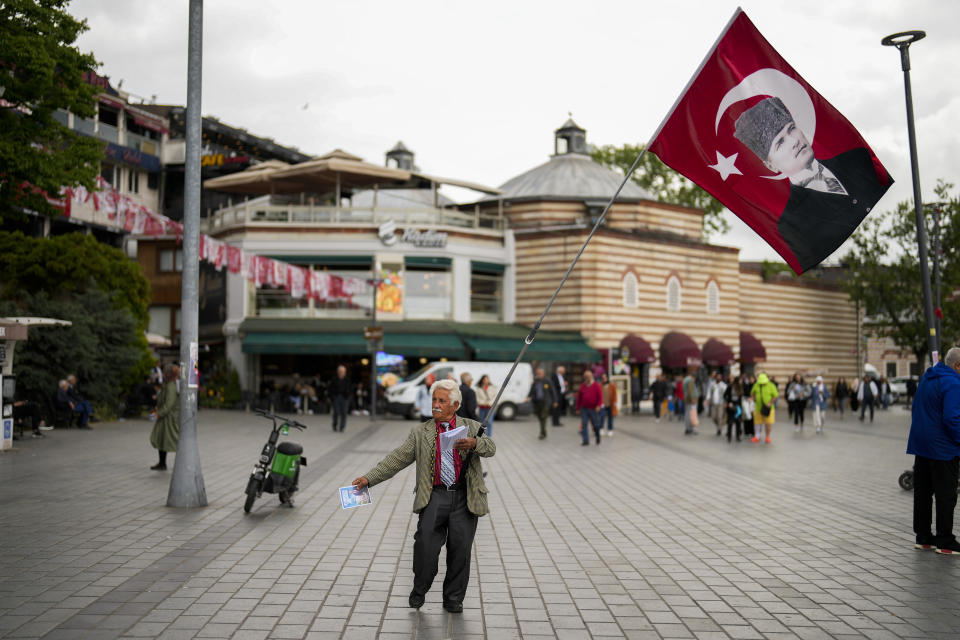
{"points": [[254, 213]]}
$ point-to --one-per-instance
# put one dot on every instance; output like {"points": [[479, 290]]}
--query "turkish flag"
{"points": [[755, 135]]}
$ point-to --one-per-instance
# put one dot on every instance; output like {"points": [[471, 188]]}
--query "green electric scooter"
{"points": [[278, 469]]}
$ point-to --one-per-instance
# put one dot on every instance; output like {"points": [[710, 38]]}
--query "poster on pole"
{"points": [[193, 377]]}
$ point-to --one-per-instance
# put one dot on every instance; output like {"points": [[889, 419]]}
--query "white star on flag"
{"points": [[725, 166]]}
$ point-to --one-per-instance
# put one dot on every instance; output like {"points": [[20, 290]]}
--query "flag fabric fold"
{"points": [[754, 134]]}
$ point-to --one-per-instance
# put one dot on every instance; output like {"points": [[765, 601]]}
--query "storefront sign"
{"points": [[132, 156], [220, 160], [429, 238]]}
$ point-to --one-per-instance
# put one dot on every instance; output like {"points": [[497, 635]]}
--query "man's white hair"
{"points": [[449, 385], [952, 357]]}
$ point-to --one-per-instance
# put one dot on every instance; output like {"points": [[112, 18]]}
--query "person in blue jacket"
{"points": [[935, 441]]}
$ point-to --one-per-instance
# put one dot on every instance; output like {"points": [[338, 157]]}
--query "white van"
{"points": [[401, 396]]}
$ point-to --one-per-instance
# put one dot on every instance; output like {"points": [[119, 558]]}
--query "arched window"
{"points": [[713, 297], [630, 291], [674, 294]]}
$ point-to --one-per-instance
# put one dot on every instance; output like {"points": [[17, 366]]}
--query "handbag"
{"points": [[765, 410]]}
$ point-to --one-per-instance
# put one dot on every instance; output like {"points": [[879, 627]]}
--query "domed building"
{"points": [[649, 282]]}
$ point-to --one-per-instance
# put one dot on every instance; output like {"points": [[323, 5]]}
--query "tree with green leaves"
{"points": [[41, 70], [663, 183], [106, 296], [885, 273]]}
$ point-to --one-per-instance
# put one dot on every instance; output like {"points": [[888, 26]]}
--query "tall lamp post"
{"points": [[902, 41]]}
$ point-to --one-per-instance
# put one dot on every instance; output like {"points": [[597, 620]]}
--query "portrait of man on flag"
{"points": [[828, 198], [755, 135]]}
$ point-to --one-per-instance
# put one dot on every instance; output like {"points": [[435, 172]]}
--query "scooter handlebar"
{"points": [[286, 421]]}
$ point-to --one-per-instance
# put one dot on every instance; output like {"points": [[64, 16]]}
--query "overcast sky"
{"points": [[477, 89]]}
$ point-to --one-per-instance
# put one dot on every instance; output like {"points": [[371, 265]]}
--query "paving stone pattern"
{"points": [[649, 535]]}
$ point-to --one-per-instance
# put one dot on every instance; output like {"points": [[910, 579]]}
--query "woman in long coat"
{"points": [[166, 430]]}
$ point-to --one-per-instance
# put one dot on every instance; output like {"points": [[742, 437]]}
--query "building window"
{"points": [[171, 260], [428, 293], [630, 291], [713, 297], [161, 321], [110, 173], [891, 370], [915, 369], [133, 181], [486, 295], [674, 294]]}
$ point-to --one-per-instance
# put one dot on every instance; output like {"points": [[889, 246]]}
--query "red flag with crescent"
{"points": [[750, 130]]}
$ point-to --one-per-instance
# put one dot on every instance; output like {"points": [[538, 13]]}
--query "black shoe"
{"points": [[416, 600], [84, 426], [584, 444], [158, 467], [924, 543], [453, 607], [37, 434]]}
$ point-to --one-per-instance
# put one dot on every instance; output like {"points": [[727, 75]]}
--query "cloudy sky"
{"points": [[477, 89]]}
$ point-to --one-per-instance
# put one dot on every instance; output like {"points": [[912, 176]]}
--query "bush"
{"points": [[221, 388]]}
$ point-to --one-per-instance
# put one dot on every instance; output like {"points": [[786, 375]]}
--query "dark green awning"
{"points": [[407, 344], [321, 343], [503, 349]]}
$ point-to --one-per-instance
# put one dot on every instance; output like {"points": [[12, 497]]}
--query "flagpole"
{"points": [[902, 41]]}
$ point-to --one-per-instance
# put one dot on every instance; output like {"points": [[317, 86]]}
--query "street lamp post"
{"points": [[902, 42]]}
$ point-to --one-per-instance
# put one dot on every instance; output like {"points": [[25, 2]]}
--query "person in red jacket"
{"points": [[589, 401]]}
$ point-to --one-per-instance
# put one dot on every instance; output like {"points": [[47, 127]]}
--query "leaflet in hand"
{"points": [[448, 438], [351, 497]]}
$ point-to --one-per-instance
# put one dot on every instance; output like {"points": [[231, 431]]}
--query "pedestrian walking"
{"points": [[165, 435], [678, 408], [486, 394], [764, 394], [340, 391], [449, 497], [867, 396], [935, 442], [748, 405], [717, 388], [611, 403], [885, 393], [636, 392], [841, 392], [819, 396], [796, 399], [691, 397], [423, 400], [468, 403], [658, 391], [589, 401], [561, 389], [733, 408], [543, 399]]}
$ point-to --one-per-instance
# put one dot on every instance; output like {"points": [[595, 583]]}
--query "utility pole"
{"points": [[186, 485], [902, 41]]}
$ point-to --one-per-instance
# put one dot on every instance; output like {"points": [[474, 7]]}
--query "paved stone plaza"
{"points": [[649, 535]]}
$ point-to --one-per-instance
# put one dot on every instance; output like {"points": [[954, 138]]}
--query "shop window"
{"points": [[630, 300], [713, 297], [170, 260], [428, 294], [674, 294], [486, 296]]}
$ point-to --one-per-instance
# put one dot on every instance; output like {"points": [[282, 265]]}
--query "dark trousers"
{"points": [[542, 411], [341, 405], [657, 406], [797, 408], [559, 410], [445, 519], [934, 480], [28, 410], [867, 402], [731, 423]]}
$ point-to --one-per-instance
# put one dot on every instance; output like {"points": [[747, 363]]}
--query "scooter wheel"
{"points": [[248, 503], [906, 480]]}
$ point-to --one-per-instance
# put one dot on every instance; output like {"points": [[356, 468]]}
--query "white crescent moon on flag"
{"points": [[770, 82]]}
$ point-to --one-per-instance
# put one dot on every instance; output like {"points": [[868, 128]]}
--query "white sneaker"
{"points": [[44, 427], [610, 434], [819, 429], [796, 429]]}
